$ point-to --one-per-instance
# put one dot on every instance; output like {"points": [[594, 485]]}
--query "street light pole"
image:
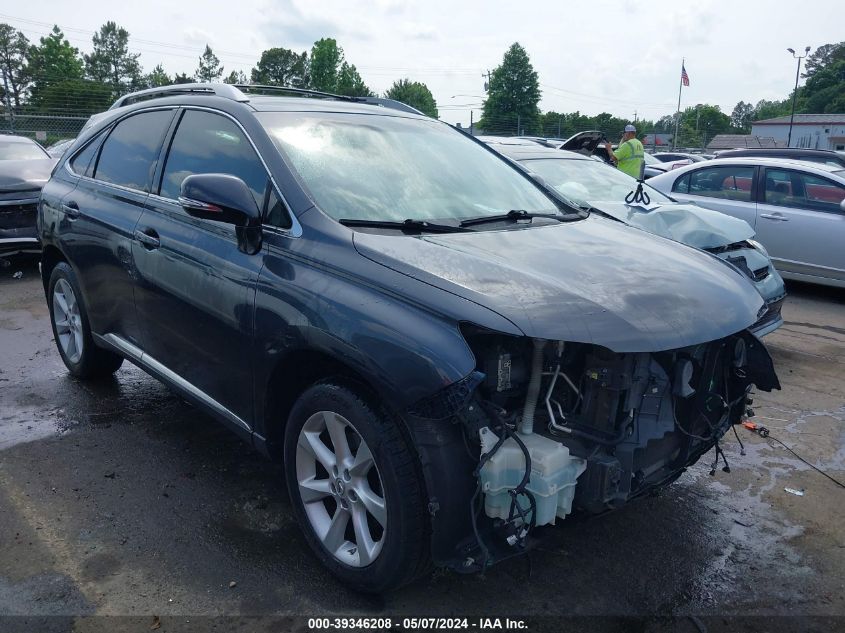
{"points": [[795, 91]]}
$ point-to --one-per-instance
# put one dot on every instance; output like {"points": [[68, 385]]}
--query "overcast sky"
{"points": [[592, 56]]}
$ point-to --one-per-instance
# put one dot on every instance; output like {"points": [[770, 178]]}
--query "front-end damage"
{"points": [[545, 428]]}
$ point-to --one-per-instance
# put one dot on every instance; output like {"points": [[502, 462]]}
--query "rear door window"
{"points": [[731, 182], [208, 143], [83, 163], [789, 188], [129, 154]]}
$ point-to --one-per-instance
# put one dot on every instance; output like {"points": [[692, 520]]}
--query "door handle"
{"points": [[149, 238], [774, 216], [71, 210]]}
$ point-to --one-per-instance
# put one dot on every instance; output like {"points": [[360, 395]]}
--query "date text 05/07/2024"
{"points": [[413, 624]]}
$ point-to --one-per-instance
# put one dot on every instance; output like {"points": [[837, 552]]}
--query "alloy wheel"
{"points": [[341, 489], [67, 320]]}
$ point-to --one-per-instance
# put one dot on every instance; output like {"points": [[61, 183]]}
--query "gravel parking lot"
{"points": [[121, 499]]}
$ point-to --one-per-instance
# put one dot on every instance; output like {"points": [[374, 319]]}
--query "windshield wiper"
{"points": [[513, 216], [415, 226]]}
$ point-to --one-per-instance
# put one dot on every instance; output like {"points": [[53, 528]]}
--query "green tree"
{"points": [[513, 95], [111, 62], [822, 57], [824, 90], [236, 77], [13, 50], [182, 78], [157, 78], [325, 62], [209, 68], [281, 67], [80, 96], [350, 83], [415, 94], [52, 61], [742, 116], [765, 109]]}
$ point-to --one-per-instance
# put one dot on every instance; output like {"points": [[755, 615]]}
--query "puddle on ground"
{"points": [[28, 423]]}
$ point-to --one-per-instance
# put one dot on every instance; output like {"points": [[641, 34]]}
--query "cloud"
{"points": [[289, 27]]}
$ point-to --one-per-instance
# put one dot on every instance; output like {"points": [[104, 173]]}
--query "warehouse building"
{"points": [[815, 131]]}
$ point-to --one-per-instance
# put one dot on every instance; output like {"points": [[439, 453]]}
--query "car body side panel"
{"points": [[401, 334], [98, 243], [804, 241]]}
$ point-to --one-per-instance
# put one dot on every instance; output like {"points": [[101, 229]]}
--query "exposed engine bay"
{"points": [[559, 427]]}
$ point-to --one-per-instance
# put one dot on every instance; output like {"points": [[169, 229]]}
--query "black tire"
{"points": [[404, 554], [92, 361]]}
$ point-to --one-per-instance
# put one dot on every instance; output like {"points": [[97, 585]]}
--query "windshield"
{"points": [[588, 181], [648, 159], [21, 150], [366, 167]]}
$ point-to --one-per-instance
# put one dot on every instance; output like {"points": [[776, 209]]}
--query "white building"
{"points": [[815, 131]]}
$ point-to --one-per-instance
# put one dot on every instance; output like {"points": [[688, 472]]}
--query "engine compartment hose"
{"points": [[532, 394]]}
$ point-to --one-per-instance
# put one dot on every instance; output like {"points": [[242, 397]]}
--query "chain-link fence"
{"points": [[44, 128]]}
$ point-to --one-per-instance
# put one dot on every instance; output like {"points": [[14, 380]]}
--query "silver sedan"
{"points": [[797, 209]]}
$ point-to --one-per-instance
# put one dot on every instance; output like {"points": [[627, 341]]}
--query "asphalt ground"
{"points": [[120, 499]]}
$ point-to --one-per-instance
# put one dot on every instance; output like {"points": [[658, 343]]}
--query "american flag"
{"points": [[684, 76]]}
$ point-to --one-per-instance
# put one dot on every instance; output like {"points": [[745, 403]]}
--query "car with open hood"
{"points": [[442, 355], [24, 168], [601, 188]]}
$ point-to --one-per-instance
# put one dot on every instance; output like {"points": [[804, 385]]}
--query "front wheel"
{"points": [[356, 489], [71, 330]]}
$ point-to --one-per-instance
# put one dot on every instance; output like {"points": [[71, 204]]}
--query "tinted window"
{"points": [[207, 143], [393, 168], [729, 183], [681, 184], [275, 212], [83, 163], [129, 154], [787, 188]]}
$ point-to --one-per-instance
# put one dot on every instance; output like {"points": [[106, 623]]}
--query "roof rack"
{"points": [[379, 101], [236, 92], [221, 90]]}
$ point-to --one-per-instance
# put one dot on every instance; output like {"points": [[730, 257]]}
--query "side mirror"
{"points": [[842, 205], [220, 197]]}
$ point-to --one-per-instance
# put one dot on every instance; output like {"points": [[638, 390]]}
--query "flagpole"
{"points": [[678, 113]]}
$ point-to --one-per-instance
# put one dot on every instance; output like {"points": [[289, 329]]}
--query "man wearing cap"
{"points": [[629, 155]]}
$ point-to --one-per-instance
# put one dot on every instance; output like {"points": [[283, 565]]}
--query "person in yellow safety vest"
{"points": [[629, 155]]}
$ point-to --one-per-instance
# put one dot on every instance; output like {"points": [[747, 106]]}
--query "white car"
{"points": [[796, 208]]}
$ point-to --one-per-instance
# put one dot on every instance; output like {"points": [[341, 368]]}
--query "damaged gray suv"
{"points": [[443, 356]]}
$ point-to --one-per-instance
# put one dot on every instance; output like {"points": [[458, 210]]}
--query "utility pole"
{"points": [[471, 133], [8, 102], [558, 125], [795, 91], [518, 124], [486, 83]]}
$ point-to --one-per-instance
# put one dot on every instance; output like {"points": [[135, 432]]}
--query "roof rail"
{"points": [[221, 90], [288, 89], [379, 101], [236, 93]]}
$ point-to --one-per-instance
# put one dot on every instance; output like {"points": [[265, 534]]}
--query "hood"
{"points": [[589, 281], [686, 223], [583, 142], [24, 175]]}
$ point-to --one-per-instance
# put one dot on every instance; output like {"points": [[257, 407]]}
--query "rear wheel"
{"points": [[355, 488], [71, 330]]}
